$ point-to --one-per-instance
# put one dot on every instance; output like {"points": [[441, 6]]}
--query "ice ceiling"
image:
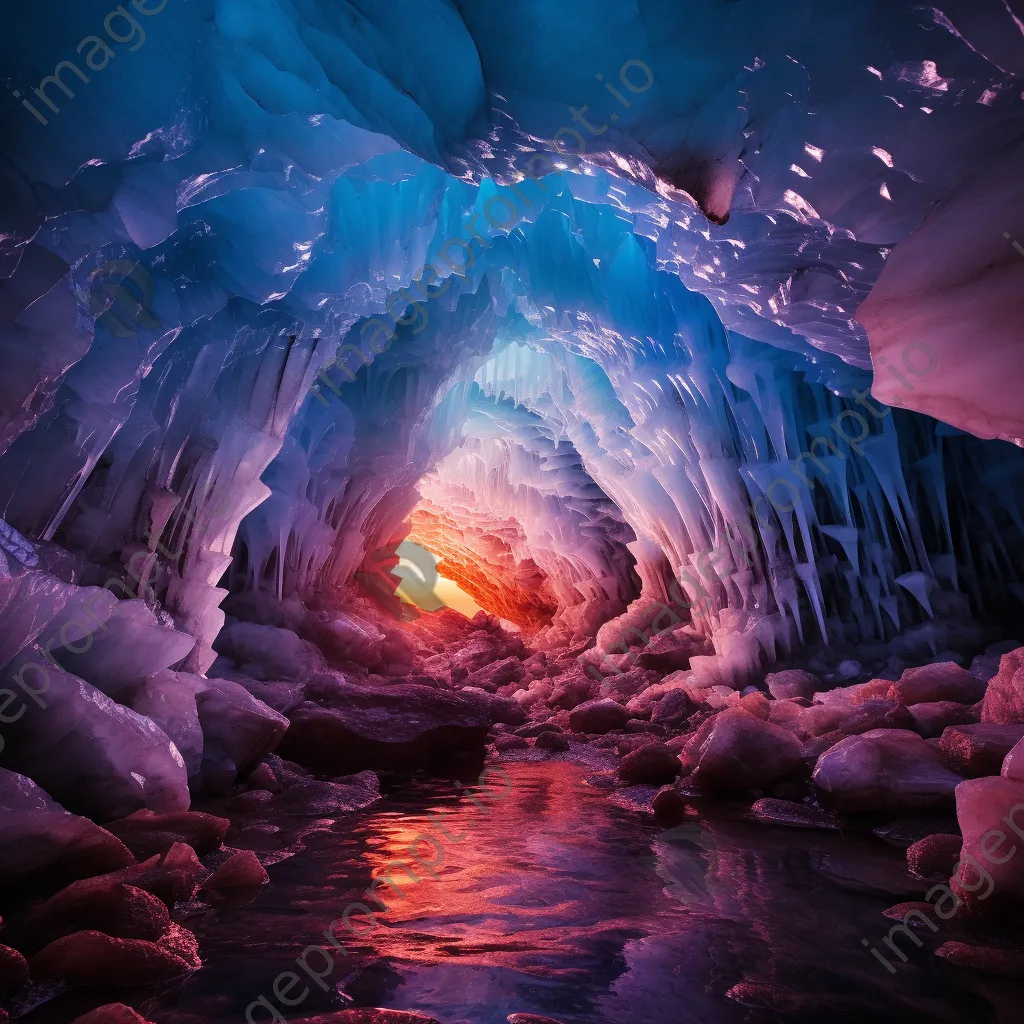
{"points": [[587, 377]]}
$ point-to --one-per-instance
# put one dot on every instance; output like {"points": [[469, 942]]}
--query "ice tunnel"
{"points": [[615, 404]]}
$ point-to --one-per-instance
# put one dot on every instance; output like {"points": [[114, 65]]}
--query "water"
{"points": [[554, 900]]}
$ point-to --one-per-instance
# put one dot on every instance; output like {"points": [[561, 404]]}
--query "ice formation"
{"points": [[277, 292]]}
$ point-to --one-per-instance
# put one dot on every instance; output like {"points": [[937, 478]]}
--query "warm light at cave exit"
{"points": [[423, 586]]}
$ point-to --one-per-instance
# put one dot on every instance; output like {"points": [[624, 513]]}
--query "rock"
{"points": [[671, 652], [553, 741], [109, 906], [265, 652], [934, 857], [1013, 763], [112, 1013], [503, 743], [146, 832], [252, 800], [598, 716], [741, 752], [238, 730], [977, 750], [938, 682], [92, 958], [884, 769], [168, 699], [874, 713], [13, 969], [530, 1018], [669, 806], [241, 870], [531, 731], [39, 838], [673, 711], [173, 878], [572, 692], [991, 816], [1004, 698], [95, 757], [772, 811], [339, 796], [792, 682], [931, 718], [983, 958], [400, 727], [497, 674], [650, 765]]}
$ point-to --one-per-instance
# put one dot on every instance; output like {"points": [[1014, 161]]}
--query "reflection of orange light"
{"points": [[478, 892]]}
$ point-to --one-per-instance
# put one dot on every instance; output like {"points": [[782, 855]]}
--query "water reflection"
{"points": [[557, 902]]}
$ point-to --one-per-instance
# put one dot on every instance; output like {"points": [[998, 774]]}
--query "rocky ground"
{"points": [[307, 712]]}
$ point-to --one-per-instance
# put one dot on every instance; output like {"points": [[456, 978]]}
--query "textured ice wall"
{"points": [[244, 186]]}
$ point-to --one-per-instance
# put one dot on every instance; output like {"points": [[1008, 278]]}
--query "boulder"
{"points": [[168, 699], [504, 743], [874, 713], [671, 652], [598, 716], [242, 870], [530, 1018], [669, 806], [790, 813], [95, 757], [306, 796], [652, 764], [571, 692], [553, 741], [884, 770], [976, 750], [109, 906], [672, 711], [934, 857], [146, 832], [1004, 698], [238, 730], [931, 718], [39, 838], [793, 682], [399, 727], [13, 969], [497, 674], [990, 813], [265, 652], [1013, 763], [93, 958], [937, 682], [741, 752]]}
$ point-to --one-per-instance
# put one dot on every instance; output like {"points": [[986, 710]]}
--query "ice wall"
{"points": [[596, 373]]}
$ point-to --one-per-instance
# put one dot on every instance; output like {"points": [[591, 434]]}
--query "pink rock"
{"points": [[983, 958], [977, 750], [598, 716], [939, 682], [792, 682], [1004, 698], [934, 857], [145, 832], [241, 870], [991, 816], [652, 764], [884, 769], [740, 751], [1013, 763], [932, 717], [92, 958], [13, 968]]}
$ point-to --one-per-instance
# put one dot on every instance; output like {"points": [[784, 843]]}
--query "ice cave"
{"points": [[512, 513]]}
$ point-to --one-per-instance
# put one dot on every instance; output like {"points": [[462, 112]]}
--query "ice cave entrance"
{"points": [[423, 586]]}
